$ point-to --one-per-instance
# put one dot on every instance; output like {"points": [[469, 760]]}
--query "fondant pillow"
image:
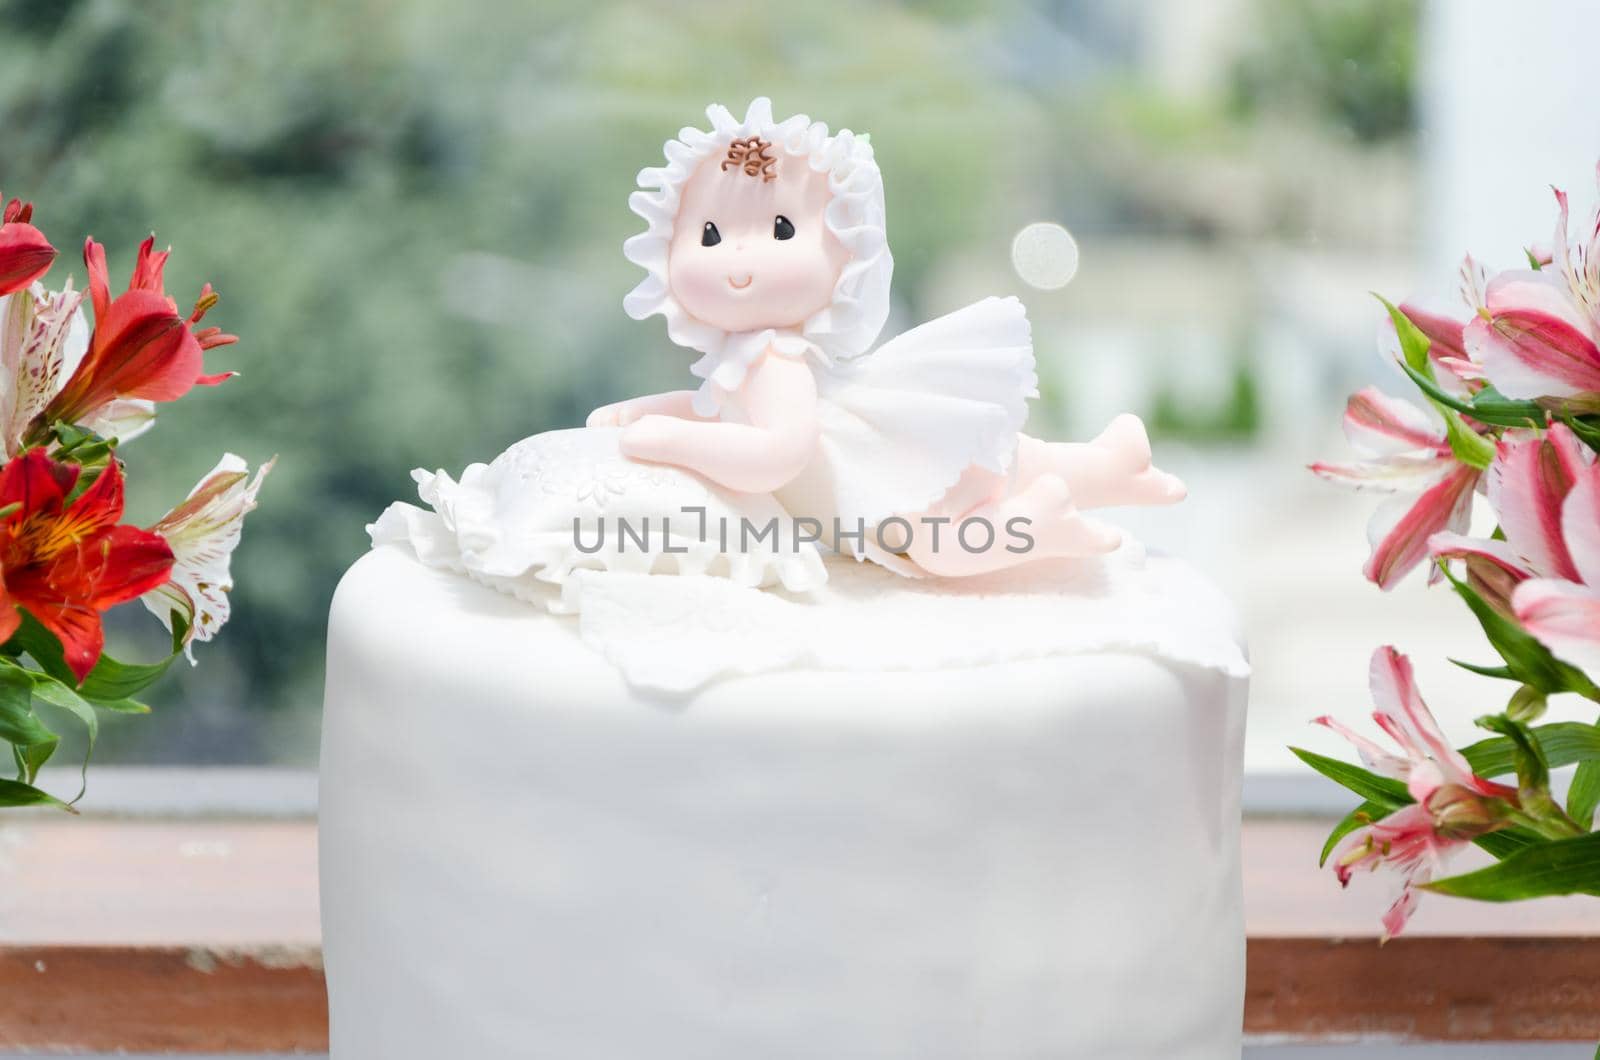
{"points": [[569, 500]]}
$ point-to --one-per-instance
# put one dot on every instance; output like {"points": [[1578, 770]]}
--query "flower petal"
{"points": [[1391, 474], [25, 255], [1372, 754], [1526, 485], [123, 419], [42, 336], [1378, 423], [76, 626], [35, 483], [125, 563], [204, 531], [1493, 570], [1581, 270], [1443, 332], [1565, 617], [1406, 718], [1399, 530], [1535, 341], [1580, 525]]}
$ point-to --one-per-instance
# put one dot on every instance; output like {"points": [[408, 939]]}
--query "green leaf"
{"points": [[1499, 411], [1562, 742], [1562, 866], [1584, 795], [1361, 816], [16, 793], [1413, 343], [1529, 660], [109, 681], [1585, 428], [32, 741], [1508, 841], [1468, 445], [113, 681], [1388, 794], [1502, 673], [47, 689], [123, 706], [1533, 772]]}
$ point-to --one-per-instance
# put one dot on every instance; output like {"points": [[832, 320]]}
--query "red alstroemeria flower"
{"points": [[1453, 805], [25, 254], [141, 348], [64, 563]]}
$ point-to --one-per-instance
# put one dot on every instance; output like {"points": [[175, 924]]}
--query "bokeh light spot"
{"points": [[1045, 255]]}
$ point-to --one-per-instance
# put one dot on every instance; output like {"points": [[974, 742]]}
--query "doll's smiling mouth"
{"points": [[748, 280]]}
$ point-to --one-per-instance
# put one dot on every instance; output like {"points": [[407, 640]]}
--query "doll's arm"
{"points": [[679, 403], [780, 399]]}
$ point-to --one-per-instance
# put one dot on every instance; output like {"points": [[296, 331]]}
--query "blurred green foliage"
{"points": [[1351, 63], [414, 213]]}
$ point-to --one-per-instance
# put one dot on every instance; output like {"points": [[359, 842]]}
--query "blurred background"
{"points": [[414, 213]]}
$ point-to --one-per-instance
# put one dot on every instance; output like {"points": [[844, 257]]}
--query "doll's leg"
{"points": [[1053, 523], [1113, 469]]}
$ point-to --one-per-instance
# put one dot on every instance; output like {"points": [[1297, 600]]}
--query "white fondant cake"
{"points": [[536, 844]]}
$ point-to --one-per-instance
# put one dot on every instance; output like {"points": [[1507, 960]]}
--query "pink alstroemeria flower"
{"points": [[1527, 484], [1410, 457], [1564, 612], [1545, 491], [1537, 332], [1453, 805]]}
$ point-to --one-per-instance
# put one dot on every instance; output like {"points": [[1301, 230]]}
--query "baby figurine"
{"points": [[766, 252]]}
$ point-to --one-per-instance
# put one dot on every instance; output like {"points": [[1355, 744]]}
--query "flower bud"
{"points": [[1527, 704], [1461, 813]]}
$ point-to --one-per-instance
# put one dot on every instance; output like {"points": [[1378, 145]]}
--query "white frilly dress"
{"points": [[898, 427]]}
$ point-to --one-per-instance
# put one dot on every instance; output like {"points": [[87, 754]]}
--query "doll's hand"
{"points": [[617, 414], [651, 437]]}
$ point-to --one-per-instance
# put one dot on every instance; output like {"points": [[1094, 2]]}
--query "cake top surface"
{"points": [[675, 635]]}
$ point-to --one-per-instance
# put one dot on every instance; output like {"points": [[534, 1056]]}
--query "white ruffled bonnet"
{"points": [[855, 215]]}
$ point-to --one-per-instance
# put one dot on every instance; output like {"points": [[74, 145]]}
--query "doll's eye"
{"points": [[709, 236], [782, 228]]}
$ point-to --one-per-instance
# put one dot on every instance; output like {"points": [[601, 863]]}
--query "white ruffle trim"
{"points": [[855, 215], [677, 635], [724, 369]]}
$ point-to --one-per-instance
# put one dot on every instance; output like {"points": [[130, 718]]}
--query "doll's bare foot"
{"points": [[1113, 469], [1058, 527], [1049, 520]]}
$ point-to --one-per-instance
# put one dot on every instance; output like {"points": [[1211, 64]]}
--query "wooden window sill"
{"points": [[201, 936]]}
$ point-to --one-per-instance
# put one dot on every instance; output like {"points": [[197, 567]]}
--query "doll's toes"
{"points": [[1126, 442], [1154, 486], [606, 416]]}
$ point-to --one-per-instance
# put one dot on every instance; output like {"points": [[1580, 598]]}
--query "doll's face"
{"points": [[749, 253]]}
